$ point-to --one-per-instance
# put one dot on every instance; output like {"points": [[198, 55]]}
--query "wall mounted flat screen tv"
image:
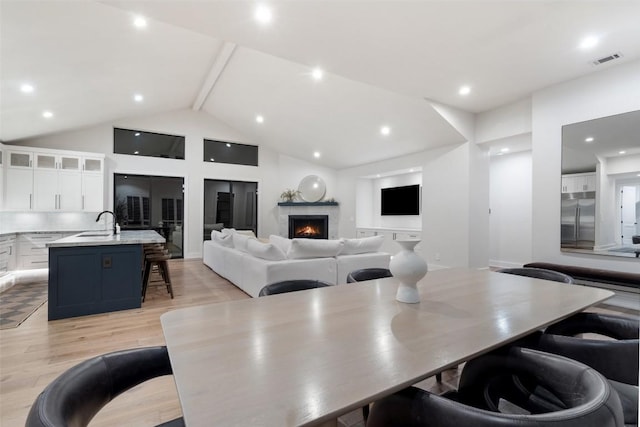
{"points": [[400, 200]]}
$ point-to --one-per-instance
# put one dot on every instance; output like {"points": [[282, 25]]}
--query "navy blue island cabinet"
{"points": [[94, 279]]}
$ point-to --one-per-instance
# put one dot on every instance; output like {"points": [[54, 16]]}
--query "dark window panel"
{"points": [[139, 143], [230, 152]]}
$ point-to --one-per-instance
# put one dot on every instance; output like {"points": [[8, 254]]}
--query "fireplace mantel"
{"points": [[331, 209], [307, 203]]}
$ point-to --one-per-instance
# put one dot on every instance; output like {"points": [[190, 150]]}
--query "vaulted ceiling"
{"points": [[383, 62]]}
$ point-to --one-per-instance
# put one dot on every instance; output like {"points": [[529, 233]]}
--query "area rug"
{"points": [[21, 301]]}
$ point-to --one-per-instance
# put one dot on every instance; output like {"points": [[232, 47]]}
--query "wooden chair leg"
{"points": [[167, 278], [145, 278]]}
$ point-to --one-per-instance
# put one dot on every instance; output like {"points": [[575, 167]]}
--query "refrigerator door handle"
{"points": [[577, 223]]}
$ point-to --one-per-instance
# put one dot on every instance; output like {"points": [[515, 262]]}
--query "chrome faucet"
{"points": [[114, 219]]}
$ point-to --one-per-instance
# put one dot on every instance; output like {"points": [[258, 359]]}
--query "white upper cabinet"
{"points": [[18, 177], [578, 182], [57, 182], [53, 180]]}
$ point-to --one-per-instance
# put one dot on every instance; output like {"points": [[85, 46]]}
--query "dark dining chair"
{"points": [[78, 394], [368, 274], [578, 396], [539, 273], [616, 358], [291, 286]]}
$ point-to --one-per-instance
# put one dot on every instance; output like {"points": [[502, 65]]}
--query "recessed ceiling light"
{"points": [[136, 152], [378, 176], [259, 119], [385, 130], [317, 74], [464, 90], [47, 114], [588, 139], [316, 154], [622, 152], [140, 22], [589, 42], [136, 134], [263, 14], [228, 145], [138, 98], [410, 170], [27, 88], [504, 150]]}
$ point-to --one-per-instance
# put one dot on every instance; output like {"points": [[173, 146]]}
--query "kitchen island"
{"points": [[96, 272]]}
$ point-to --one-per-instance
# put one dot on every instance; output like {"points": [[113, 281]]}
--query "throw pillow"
{"points": [[282, 242], [267, 251], [240, 241], [314, 248], [362, 245], [228, 231], [222, 239]]}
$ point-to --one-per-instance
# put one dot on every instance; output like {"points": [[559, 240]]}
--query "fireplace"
{"points": [[309, 226]]}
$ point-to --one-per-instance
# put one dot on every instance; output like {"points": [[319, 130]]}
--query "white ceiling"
{"points": [[381, 60]]}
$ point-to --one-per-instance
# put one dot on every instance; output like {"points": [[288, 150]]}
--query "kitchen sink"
{"points": [[95, 234]]}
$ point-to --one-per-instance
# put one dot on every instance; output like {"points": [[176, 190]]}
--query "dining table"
{"points": [[304, 358]]}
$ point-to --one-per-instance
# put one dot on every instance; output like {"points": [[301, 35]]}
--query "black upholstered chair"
{"points": [[539, 273], [291, 286], [615, 358], [77, 395], [579, 396], [368, 274]]}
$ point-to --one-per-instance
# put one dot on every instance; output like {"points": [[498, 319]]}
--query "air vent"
{"points": [[609, 58]]}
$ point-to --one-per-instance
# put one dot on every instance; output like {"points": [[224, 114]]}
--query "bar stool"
{"points": [[156, 256]]}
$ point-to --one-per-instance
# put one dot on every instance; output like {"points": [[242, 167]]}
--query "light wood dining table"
{"points": [[305, 358]]}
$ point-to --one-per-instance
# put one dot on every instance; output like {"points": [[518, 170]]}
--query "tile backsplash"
{"points": [[50, 221]]}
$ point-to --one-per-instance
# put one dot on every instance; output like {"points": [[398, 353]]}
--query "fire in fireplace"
{"points": [[309, 226]]}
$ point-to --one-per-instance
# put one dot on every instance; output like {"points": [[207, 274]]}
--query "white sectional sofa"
{"points": [[251, 264]]}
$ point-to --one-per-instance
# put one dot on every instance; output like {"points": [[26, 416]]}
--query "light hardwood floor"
{"points": [[37, 351]]}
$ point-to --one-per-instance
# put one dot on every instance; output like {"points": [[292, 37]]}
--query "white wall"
{"points": [[395, 221], [510, 201], [503, 122], [274, 173], [608, 92], [454, 202]]}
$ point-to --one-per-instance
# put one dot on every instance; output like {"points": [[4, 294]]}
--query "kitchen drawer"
{"points": [[39, 239], [28, 262], [7, 238], [26, 249], [407, 236]]}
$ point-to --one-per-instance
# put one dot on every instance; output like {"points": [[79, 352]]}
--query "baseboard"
{"points": [[23, 276]]}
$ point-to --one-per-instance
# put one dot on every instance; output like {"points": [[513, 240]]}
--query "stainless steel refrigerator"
{"points": [[578, 220]]}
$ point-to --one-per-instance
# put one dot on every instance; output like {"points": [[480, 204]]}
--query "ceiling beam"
{"points": [[214, 73]]}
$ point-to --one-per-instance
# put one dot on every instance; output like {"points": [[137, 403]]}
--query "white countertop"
{"points": [[136, 237]]}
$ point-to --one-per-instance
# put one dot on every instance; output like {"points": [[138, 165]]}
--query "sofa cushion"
{"points": [[267, 251], [362, 246], [282, 242], [314, 248], [228, 230], [222, 239], [240, 241]]}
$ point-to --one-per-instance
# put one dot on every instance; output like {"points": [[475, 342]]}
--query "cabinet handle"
{"points": [[83, 202], [39, 262], [30, 201], [5, 252]]}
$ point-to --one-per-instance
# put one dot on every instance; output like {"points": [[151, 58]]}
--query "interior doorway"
{"points": [[629, 212], [146, 202]]}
